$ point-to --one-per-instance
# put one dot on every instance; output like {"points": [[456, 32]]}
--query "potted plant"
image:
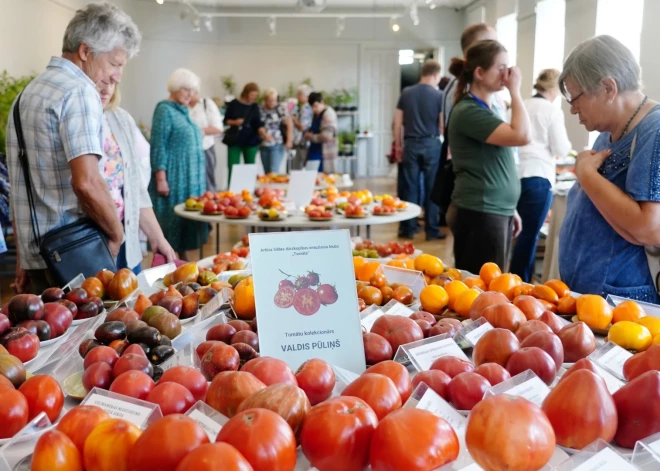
{"points": [[353, 100], [230, 86], [10, 87]]}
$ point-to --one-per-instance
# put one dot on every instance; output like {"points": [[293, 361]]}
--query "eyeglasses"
{"points": [[572, 101]]}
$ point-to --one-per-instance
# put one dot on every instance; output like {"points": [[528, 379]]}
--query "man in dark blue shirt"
{"points": [[418, 118]]}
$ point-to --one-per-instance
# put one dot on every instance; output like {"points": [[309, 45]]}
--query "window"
{"points": [[406, 56], [625, 24], [549, 41], [507, 34], [478, 15]]}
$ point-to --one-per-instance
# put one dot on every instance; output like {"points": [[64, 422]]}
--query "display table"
{"points": [[300, 220]]}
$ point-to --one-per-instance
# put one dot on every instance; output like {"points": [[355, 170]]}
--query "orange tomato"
{"points": [[489, 271], [108, 447], [567, 305], [627, 311], [244, 299], [403, 294], [546, 293], [464, 302], [378, 279], [55, 451], [434, 299], [357, 263], [440, 280], [399, 263], [371, 295], [366, 271], [504, 284], [454, 289], [523, 289], [454, 273], [79, 422], [387, 293], [410, 264], [475, 282], [558, 287], [94, 287], [594, 311], [651, 323]]}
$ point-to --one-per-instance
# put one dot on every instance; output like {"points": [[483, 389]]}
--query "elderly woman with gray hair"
{"points": [[62, 119], [279, 132], [177, 163], [613, 211]]}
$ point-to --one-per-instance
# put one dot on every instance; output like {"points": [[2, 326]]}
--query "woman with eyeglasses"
{"points": [[613, 211]]}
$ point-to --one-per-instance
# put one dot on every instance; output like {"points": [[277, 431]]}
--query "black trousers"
{"points": [[480, 238]]}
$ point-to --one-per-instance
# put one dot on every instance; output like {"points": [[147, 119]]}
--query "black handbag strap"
{"points": [[23, 158]]}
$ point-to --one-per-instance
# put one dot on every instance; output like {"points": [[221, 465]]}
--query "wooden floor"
{"points": [[229, 235]]}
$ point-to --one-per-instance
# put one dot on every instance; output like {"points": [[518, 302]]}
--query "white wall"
{"points": [[649, 50]]}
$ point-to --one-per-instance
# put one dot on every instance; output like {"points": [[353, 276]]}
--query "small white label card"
{"points": [[611, 357], [344, 375], [413, 279], [122, 407], [243, 177], [395, 308], [474, 331], [369, 316], [606, 460], [316, 318], [75, 283], [612, 382], [423, 353], [472, 467], [149, 276], [525, 384], [208, 418], [432, 402], [184, 357], [214, 304], [301, 187], [655, 446]]}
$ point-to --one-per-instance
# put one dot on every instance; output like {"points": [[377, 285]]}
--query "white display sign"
{"points": [[474, 335], [369, 320], [655, 446], [398, 309], [432, 402], [149, 276], [612, 382], [210, 426], [613, 358], [425, 355], [301, 187], [243, 177], [606, 460], [120, 409], [534, 390], [472, 467], [317, 317]]}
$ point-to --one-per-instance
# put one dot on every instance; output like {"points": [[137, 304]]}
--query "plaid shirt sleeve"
{"points": [[81, 123]]}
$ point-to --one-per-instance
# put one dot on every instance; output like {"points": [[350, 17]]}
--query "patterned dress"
{"points": [[176, 147]]}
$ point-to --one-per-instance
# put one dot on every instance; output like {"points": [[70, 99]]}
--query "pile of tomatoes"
{"points": [[305, 293], [385, 250]]}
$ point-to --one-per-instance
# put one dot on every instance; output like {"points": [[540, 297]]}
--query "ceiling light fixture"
{"points": [[414, 14], [160, 2], [432, 5], [208, 23], [341, 25], [428, 1], [394, 22], [196, 24], [272, 25]]}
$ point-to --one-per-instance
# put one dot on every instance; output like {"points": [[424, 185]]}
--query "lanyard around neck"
{"points": [[478, 100]]}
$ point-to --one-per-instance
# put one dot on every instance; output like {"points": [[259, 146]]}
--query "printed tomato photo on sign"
{"points": [[305, 293]]}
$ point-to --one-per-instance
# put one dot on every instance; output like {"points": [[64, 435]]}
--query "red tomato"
{"points": [[495, 346], [14, 412], [398, 374], [412, 440], [43, 394], [55, 451], [109, 445], [317, 379], [306, 301], [205, 346], [398, 330], [378, 391], [165, 443], [230, 388], [535, 359], [207, 457], [270, 371], [493, 372], [97, 375], [130, 362], [336, 434], [434, 379], [376, 348], [219, 358], [452, 366], [190, 378], [79, 422], [638, 419], [466, 390], [263, 438], [239, 325], [171, 397], [105, 354], [221, 332], [133, 384], [21, 343], [527, 429]]}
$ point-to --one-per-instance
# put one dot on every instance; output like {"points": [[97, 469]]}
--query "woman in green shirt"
{"points": [[483, 215]]}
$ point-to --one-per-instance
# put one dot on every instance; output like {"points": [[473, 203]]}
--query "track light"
{"points": [[272, 25], [196, 25], [208, 23], [394, 22], [160, 2], [341, 25], [432, 5], [414, 14]]}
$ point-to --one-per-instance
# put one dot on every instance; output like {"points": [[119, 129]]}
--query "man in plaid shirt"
{"points": [[62, 116]]}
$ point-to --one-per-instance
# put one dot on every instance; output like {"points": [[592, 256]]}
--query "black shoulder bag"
{"points": [[79, 247], [444, 178], [233, 132]]}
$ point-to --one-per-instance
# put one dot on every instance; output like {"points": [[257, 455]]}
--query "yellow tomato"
{"points": [[594, 311], [651, 323], [630, 335], [433, 298]]}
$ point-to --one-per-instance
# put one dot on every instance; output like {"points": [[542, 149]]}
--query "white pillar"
{"points": [[649, 49], [526, 43]]}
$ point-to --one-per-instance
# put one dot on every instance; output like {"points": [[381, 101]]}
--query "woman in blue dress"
{"points": [[177, 162], [613, 211]]}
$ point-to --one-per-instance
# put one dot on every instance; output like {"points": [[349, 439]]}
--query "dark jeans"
{"points": [[479, 238], [420, 156], [533, 206]]}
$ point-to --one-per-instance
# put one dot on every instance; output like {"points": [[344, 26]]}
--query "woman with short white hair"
{"points": [[177, 162], [302, 121], [613, 211], [279, 132]]}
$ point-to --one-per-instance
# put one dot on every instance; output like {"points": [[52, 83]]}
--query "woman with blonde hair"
{"points": [[537, 169], [178, 163], [121, 168], [245, 128], [279, 127]]}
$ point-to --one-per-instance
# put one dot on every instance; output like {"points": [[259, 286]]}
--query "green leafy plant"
{"points": [[10, 87], [229, 84], [308, 82]]}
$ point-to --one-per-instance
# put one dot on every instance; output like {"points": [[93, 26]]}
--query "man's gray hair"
{"points": [[102, 27], [305, 89], [598, 58]]}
